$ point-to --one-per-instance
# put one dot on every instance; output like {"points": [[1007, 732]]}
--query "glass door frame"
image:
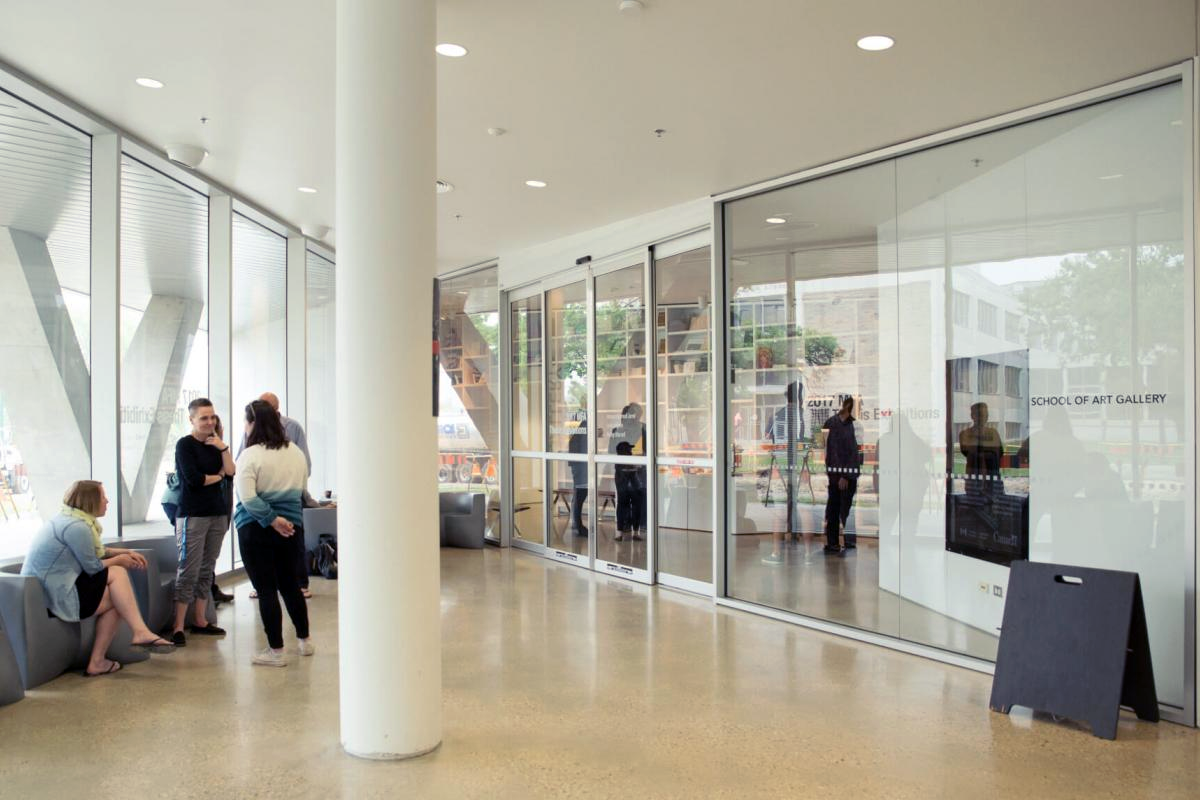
{"points": [[668, 249], [609, 265], [508, 454]]}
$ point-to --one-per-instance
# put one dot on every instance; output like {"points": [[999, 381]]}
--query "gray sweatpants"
{"points": [[199, 541]]}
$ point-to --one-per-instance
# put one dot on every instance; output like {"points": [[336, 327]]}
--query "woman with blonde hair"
{"points": [[83, 578]]}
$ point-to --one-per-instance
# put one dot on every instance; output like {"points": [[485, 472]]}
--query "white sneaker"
{"points": [[270, 658], [306, 647]]}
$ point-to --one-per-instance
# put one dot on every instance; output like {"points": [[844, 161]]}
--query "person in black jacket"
{"points": [[843, 462], [203, 462]]}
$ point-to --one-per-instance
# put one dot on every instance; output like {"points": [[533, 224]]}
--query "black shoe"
{"points": [[829, 549], [178, 639], [207, 630], [851, 547], [220, 597]]}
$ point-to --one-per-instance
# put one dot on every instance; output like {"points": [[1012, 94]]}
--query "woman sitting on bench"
{"points": [[83, 578]]}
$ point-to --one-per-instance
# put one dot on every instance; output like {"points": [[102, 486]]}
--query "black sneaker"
{"points": [[220, 597], [829, 549], [207, 630], [178, 639]]}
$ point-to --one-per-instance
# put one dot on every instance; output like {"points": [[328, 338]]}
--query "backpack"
{"points": [[322, 559]]}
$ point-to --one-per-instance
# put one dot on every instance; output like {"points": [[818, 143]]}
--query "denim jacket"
{"points": [[62, 549]]}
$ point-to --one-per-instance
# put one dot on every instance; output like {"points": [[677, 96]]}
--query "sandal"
{"points": [[307, 594], [158, 646], [114, 667]]}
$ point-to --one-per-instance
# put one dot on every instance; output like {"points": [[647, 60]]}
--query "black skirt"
{"points": [[91, 591]]}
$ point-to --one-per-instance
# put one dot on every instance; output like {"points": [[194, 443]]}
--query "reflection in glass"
{"points": [[468, 403], [810, 339], [567, 369], [620, 351], [570, 517], [684, 522], [528, 500], [621, 514], [526, 354]]}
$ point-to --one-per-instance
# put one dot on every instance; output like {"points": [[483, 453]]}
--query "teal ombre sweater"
{"points": [[270, 484]]}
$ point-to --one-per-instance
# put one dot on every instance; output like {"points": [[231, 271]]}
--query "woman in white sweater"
{"points": [[270, 480]]}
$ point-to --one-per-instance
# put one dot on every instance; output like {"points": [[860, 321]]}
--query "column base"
{"points": [[390, 756]]}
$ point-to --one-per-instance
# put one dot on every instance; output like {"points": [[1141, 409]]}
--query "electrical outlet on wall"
{"points": [[983, 586], [997, 590]]}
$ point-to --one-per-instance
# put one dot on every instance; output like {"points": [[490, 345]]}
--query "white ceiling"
{"points": [[745, 89]]}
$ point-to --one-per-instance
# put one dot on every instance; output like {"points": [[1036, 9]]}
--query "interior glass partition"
{"points": [[321, 375], [1009, 320], [469, 403], [684, 440], [567, 370]]}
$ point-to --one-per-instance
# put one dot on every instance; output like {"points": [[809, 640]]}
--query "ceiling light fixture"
{"points": [[631, 6], [1112, 177], [875, 43], [451, 50], [306, 189], [149, 83], [315, 231], [536, 184], [189, 155], [444, 187], [776, 220]]}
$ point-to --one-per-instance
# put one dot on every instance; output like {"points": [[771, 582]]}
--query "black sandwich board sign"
{"points": [[1074, 643]]}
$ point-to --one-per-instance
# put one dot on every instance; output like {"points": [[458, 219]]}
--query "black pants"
{"points": [[631, 498], [837, 508], [270, 561], [301, 558]]}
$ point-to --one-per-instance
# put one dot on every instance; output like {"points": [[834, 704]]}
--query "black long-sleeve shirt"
{"points": [[193, 461], [841, 446]]}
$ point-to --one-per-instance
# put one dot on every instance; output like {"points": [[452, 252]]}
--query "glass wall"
{"points": [[528, 474], [468, 399], [164, 333], [684, 442], [567, 369], [962, 357], [321, 377], [45, 287], [259, 342]]}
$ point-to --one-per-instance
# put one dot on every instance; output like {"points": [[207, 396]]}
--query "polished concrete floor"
{"points": [[563, 683]]}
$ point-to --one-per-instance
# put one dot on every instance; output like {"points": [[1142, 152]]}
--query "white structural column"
{"points": [[389, 588]]}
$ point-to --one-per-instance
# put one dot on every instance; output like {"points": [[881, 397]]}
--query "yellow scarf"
{"points": [[92, 522]]}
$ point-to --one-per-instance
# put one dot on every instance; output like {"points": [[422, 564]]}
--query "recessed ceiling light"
{"points": [[451, 50], [536, 184], [307, 189], [444, 187], [776, 220], [149, 83], [1177, 122], [1112, 177], [875, 42]]}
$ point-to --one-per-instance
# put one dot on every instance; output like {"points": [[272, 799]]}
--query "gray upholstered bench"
{"points": [[462, 519], [11, 688], [45, 646]]}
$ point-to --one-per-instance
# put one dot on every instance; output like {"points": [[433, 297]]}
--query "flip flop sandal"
{"points": [[115, 667], [159, 646], [307, 594]]}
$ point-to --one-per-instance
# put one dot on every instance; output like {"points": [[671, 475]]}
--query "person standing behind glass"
{"points": [[577, 443], [843, 462], [785, 431], [270, 481], [202, 461], [629, 439]]}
